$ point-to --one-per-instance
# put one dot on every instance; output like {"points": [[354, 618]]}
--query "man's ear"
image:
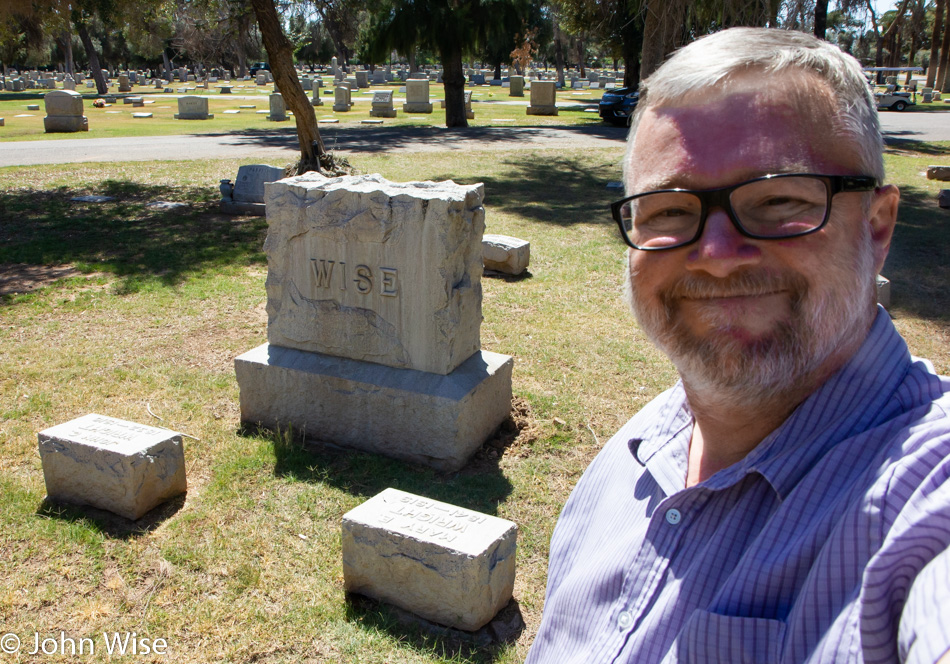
{"points": [[882, 217]]}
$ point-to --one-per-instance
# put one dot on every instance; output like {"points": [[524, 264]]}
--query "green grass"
{"points": [[247, 567], [490, 105]]}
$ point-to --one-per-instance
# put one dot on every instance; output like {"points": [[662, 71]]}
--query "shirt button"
{"points": [[625, 619], [673, 516]]}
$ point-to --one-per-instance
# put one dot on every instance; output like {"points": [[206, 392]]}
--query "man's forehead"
{"points": [[747, 127]]}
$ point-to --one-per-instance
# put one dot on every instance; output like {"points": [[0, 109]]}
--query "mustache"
{"points": [[741, 284]]}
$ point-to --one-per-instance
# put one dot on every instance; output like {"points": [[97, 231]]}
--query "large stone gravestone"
{"points": [[516, 86], [124, 85], [316, 101], [69, 83], [362, 78], [543, 94], [278, 109], [374, 309], [64, 112], [341, 98], [417, 97], [383, 105], [442, 562], [192, 107], [246, 194], [120, 466]]}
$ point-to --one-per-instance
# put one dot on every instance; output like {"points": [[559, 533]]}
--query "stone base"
{"points": [[387, 113], [189, 116], [316, 102], [238, 207], [417, 107], [123, 467], [425, 418], [277, 118], [341, 108], [542, 110], [65, 123], [447, 564]]}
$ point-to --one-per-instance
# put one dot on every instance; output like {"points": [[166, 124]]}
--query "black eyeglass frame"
{"points": [[719, 197]]}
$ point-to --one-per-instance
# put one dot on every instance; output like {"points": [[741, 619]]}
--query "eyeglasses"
{"points": [[770, 207]]}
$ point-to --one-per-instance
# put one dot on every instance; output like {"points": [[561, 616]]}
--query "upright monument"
{"points": [[374, 310]]}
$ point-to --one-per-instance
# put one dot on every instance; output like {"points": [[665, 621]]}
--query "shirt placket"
{"points": [[645, 574]]}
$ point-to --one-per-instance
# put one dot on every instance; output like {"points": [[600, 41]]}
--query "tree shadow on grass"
{"points": [[893, 141], [126, 236], [917, 265], [479, 486], [550, 189]]}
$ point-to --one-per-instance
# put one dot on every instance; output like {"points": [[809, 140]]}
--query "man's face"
{"points": [[750, 319]]}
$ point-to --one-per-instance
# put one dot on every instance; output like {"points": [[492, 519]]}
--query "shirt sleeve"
{"points": [[924, 633]]}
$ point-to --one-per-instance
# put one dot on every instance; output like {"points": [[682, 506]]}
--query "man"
{"points": [[787, 500]]}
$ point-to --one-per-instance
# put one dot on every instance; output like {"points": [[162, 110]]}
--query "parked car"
{"points": [[257, 66], [618, 104], [895, 101]]}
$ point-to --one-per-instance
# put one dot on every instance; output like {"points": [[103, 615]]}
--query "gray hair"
{"points": [[711, 60]]}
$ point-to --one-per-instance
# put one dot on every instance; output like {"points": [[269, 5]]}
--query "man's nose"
{"points": [[722, 249]]}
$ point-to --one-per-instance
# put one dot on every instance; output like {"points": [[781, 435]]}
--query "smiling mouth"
{"points": [[730, 296]]}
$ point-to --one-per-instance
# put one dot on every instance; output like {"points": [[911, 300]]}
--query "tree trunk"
{"points": [[942, 78], [935, 44], [167, 63], [821, 18], [631, 74], [412, 62], [658, 32], [581, 60], [280, 53], [93, 58], [65, 40], [558, 53], [453, 82], [497, 71]]}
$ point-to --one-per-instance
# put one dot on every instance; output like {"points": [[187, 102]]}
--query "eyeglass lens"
{"points": [[778, 207]]}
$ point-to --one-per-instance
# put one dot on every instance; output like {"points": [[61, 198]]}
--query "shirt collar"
{"points": [[849, 402]]}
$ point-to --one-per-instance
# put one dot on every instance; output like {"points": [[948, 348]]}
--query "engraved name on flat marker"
{"points": [[104, 431], [445, 563]]}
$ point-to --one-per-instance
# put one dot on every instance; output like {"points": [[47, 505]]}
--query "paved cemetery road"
{"points": [[283, 143], [930, 126]]}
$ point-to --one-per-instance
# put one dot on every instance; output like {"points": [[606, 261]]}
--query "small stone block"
{"points": [[232, 111], [328, 121], [883, 291], [119, 466], [941, 173], [372, 122], [505, 254], [943, 198], [32, 107], [141, 115], [447, 564]]}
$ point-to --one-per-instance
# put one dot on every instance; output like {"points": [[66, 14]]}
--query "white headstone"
{"points": [[445, 563], [120, 466], [193, 107], [249, 184]]}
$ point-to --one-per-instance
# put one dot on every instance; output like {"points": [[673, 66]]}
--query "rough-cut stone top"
{"points": [[101, 431], [372, 270], [422, 519]]}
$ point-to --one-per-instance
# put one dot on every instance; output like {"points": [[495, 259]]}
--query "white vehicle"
{"points": [[895, 101]]}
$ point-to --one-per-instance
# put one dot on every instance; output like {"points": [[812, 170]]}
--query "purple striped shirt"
{"points": [[805, 551]]}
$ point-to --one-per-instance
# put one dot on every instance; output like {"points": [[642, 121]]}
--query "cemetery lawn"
{"points": [[491, 105], [136, 312]]}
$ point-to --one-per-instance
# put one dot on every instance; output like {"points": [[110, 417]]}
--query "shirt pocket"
{"points": [[710, 637]]}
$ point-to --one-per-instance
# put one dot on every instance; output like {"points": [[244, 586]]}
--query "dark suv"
{"points": [[618, 104], [257, 66]]}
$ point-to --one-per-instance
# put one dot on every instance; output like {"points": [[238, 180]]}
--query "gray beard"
{"points": [[741, 373]]}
